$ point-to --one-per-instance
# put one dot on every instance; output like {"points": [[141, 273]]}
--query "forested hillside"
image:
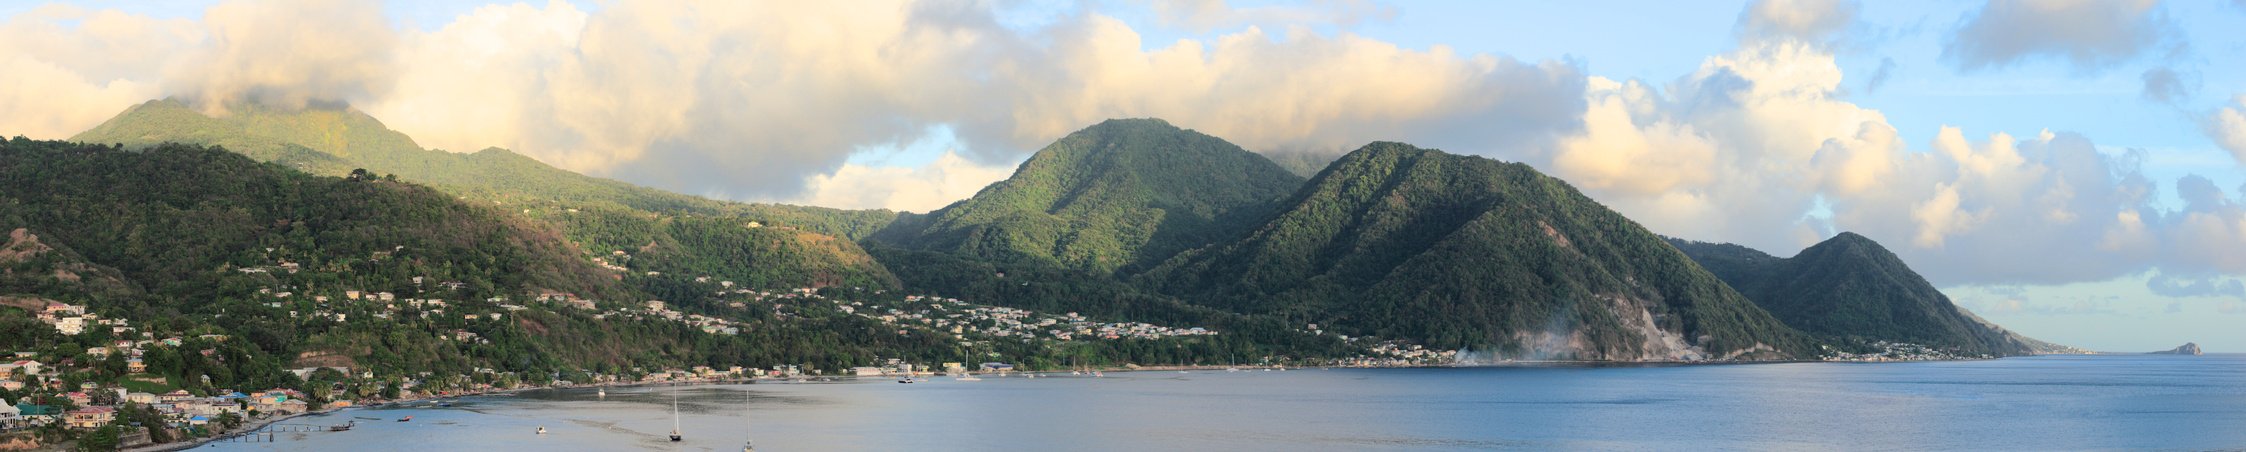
{"points": [[1467, 252], [1123, 193], [335, 140], [1852, 292], [200, 243]]}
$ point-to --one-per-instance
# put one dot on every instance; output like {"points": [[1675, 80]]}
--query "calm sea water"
{"points": [[2037, 403]]}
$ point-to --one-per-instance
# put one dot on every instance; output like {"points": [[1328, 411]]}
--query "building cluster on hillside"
{"points": [[72, 320], [1897, 351], [966, 320], [1399, 354]]}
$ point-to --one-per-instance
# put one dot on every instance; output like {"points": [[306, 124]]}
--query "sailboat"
{"points": [[603, 392], [675, 437], [747, 444]]}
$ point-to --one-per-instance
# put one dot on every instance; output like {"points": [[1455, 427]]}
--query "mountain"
{"points": [[1454, 251], [2189, 348], [1852, 291], [602, 214], [1122, 193], [303, 270]]}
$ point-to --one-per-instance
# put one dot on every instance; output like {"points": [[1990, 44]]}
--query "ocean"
{"points": [[2029, 403]]}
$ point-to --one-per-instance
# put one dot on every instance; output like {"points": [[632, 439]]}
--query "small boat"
{"points": [[603, 392], [406, 419], [444, 404], [747, 444], [344, 427], [675, 437], [968, 377], [906, 380]]}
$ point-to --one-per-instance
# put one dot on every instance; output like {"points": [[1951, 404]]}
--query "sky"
{"points": [[2068, 169]]}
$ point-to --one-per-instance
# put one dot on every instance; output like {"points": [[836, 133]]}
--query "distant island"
{"points": [[2189, 348]]}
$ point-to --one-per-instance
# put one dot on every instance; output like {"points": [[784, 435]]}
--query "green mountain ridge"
{"points": [[1852, 291], [1465, 252], [600, 213], [1136, 219], [1120, 194]]}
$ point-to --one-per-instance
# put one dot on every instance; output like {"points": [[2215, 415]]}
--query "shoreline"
{"points": [[253, 427]]}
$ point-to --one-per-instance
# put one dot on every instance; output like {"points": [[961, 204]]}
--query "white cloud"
{"points": [[287, 53], [2227, 127], [69, 68], [1206, 15], [1758, 147], [750, 100], [919, 189], [2089, 34]]}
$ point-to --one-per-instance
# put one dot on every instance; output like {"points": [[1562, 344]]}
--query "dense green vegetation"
{"points": [[334, 139], [1048, 288], [1852, 291], [232, 248], [1124, 193], [1456, 251], [220, 243], [727, 248]]}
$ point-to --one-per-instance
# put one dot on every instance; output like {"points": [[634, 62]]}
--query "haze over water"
{"points": [[2032, 403]]}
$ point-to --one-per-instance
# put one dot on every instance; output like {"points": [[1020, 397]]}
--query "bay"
{"points": [[2029, 403]]}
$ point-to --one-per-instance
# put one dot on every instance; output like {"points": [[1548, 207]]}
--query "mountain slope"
{"points": [[1852, 290], [1120, 193], [166, 217], [335, 140], [1456, 251], [306, 270]]}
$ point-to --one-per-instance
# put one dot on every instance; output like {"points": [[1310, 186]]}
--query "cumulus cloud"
{"points": [[918, 189], [70, 68], [1723, 151], [2088, 34], [2210, 230], [2227, 127], [1759, 147], [756, 100], [753, 100], [1205, 15], [287, 54]]}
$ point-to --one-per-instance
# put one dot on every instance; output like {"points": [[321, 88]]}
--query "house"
{"points": [[79, 398], [198, 420], [135, 366], [140, 398], [35, 414], [90, 417], [71, 326], [175, 396], [11, 385]]}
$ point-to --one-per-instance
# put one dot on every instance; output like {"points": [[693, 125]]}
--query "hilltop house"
{"points": [[90, 417]]}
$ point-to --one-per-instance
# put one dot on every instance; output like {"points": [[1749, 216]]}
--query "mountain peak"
{"points": [[1118, 193], [1850, 288]]}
